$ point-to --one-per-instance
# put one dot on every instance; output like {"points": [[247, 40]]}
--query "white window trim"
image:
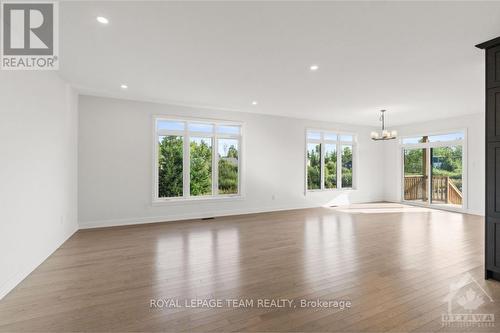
{"points": [[338, 143], [463, 143], [186, 134]]}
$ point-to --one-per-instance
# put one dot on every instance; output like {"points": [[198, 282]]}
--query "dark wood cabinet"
{"points": [[492, 252], [493, 114], [493, 177], [492, 126], [493, 62]]}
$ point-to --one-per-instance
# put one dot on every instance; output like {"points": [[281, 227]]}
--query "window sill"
{"points": [[194, 200]]}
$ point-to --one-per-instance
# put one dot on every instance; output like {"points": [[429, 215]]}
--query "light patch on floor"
{"points": [[380, 208]]}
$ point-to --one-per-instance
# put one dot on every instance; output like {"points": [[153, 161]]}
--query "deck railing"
{"points": [[442, 190]]}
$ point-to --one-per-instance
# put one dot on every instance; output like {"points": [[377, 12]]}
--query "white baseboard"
{"points": [[475, 212], [20, 275], [181, 217], [200, 215]]}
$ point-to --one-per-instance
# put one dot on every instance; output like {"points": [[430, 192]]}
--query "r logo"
{"points": [[28, 29], [30, 35]]}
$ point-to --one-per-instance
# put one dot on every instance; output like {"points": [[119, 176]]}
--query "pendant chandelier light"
{"points": [[385, 134]]}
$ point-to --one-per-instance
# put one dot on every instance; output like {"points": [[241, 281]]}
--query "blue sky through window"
{"points": [[170, 125], [435, 138], [225, 144], [197, 127], [446, 137], [228, 130]]}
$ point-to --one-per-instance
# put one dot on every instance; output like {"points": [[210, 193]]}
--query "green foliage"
{"points": [[413, 162], [201, 167], [228, 171], [346, 166], [232, 152], [447, 161], [228, 177], [170, 167], [314, 167], [331, 168]]}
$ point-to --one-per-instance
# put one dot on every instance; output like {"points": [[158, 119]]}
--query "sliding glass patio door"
{"points": [[433, 170], [415, 175]]}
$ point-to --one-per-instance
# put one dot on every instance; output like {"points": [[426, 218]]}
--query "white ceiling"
{"points": [[417, 60]]}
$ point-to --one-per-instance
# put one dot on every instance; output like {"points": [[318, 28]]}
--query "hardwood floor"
{"points": [[394, 263]]}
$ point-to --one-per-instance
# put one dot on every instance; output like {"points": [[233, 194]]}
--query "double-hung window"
{"points": [[329, 160], [196, 159]]}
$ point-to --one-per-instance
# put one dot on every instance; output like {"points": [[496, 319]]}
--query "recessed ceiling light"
{"points": [[123, 86], [314, 68], [102, 19], [255, 103]]}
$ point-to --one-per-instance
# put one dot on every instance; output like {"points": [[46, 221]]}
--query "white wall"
{"points": [[115, 164], [474, 124], [38, 170]]}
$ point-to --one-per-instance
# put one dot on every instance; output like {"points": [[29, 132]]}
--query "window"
{"points": [[196, 159], [313, 166], [330, 165], [329, 160], [200, 167], [347, 166], [433, 169], [228, 166]]}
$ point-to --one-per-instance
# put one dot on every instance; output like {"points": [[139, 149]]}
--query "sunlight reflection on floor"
{"points": [[380, 208]]}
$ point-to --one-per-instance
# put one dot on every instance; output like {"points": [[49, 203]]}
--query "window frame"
{"points": [[429, 145], [338, 143], [186, 169]]}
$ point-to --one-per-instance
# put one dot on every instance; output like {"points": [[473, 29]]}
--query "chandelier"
{"points": [[385, 134]]}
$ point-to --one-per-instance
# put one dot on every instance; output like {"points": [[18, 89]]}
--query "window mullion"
{"points": [[339, 165], [322, 165], [354, 164], [186, 164], [240, 154], [156, 166], [429, 174], [215, 166]]}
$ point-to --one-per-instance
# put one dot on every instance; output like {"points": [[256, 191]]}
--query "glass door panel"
{"points": [[415, 175], [446, 184]]}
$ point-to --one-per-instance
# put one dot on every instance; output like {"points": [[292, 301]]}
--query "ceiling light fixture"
{"points": [[314, 68], [385, 134], [124, 86], [255, 103], [102, 19]]}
